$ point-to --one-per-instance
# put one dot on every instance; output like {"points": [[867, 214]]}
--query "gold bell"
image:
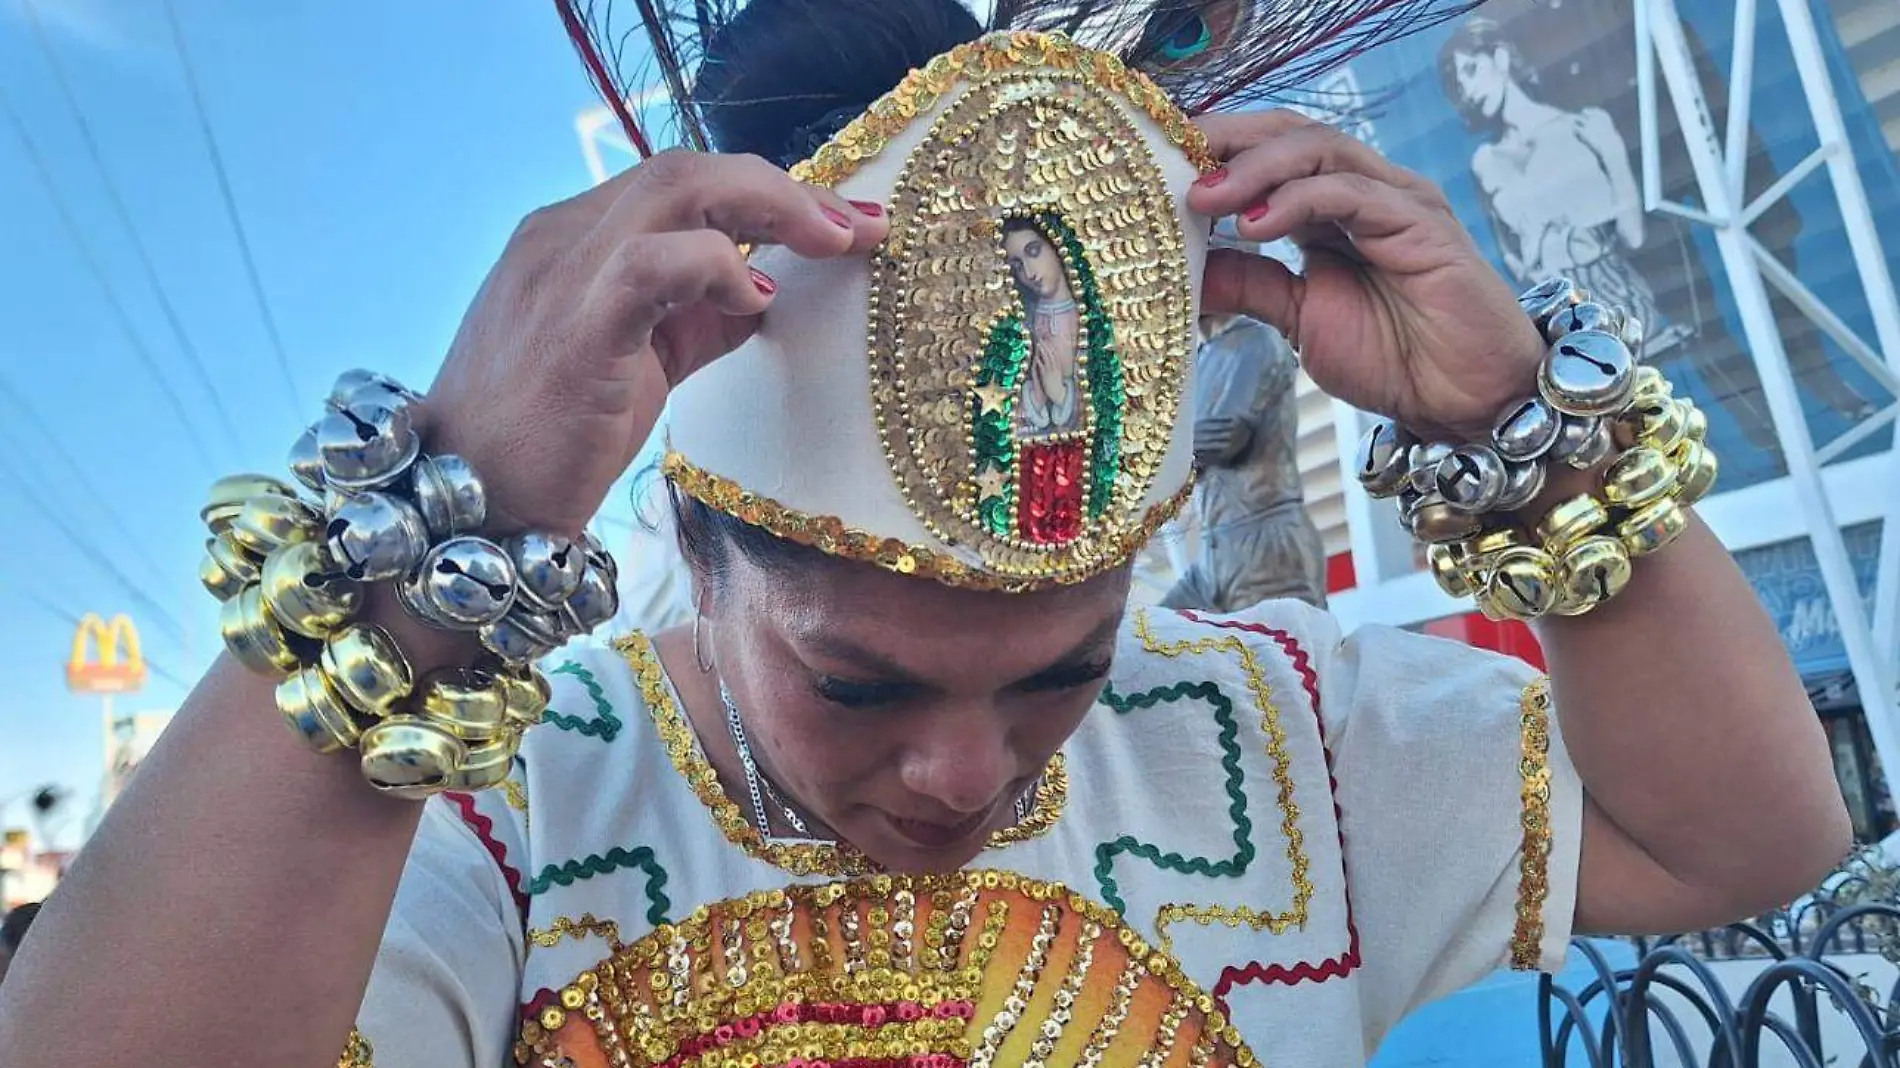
{"points": [[1522, 585], [307, 592], [362, 660], [1652, 386], [225, 569], [228, 494], [316, 712], [254, 637], [1447, 566], [472, 705], [1594, 570], [1662, 425], [1638, 477], [268, 522], [1571, 522], [1653, 528], [528, 695], [1435, 521], [407, 757], [1695, 422], [1699, 471], [485, 766]]}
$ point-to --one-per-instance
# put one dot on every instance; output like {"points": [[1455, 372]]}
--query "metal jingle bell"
{"points": [[548, 567], [1594, 570], [470, 704], [316, 712], [1698, 469], [1588, 373], [367, 446], [594, 603], [254, 637], [306, 460], [450, 495], [1658, 424], [1695, 422], [1522, 584], [409, 595], [307, 591], [1384, 458], [1583, 442], [1448, 570], [1422, 472], [1639, 477], [521, 637], [1653, 529], [1435, 521], [1547, 298], [410, 758], [1471, 479], [598, 555], [1522, 485], [359, 384], [1634, 334], [1570, 522], [485, 766], [376, 536], [269, 522], [1588, 315], [1651, 386], [467, 582], [368, 669], [227, 495], [218, 582], [529, 694], [226, 564], [1527, 431]]}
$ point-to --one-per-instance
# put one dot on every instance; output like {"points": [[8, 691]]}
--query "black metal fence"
{"points": [[1671, 1009]]}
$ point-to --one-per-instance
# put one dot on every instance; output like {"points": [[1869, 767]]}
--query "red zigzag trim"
{"points": [[1303, 971], [484, 829]]}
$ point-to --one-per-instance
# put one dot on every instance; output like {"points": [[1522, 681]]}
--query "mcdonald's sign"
{"points": [[106, 657]]}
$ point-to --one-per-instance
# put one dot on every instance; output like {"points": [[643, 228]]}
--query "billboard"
{"points": [[106, 657]]}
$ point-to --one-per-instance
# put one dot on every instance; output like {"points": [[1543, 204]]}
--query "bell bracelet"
{"points": [[1595, 403], [291, 567]]}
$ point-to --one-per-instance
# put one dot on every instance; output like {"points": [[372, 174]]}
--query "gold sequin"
{"points": [[1534, 864], [564, 928], [357, 1052], [516, 795], [798, 858]]}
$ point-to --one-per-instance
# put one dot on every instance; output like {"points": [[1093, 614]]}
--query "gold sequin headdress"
{"points": [[994, 398]]}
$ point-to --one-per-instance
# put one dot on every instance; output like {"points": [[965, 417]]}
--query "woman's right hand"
{"points": [[602, 304]]}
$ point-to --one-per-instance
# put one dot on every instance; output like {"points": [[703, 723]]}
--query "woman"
{"points": [[1050, 402], [1202, 841]]}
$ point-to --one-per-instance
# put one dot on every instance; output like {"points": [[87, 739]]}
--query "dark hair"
{"points": [[709, 538], [784, 75], [13, 928], [1479, 36]]}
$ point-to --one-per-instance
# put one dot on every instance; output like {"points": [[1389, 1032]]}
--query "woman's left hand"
{"points": [[1396, 311]]}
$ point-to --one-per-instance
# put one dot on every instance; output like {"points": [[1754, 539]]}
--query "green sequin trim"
{"points": [[992, 434], [1107, 394], [605, 725], [1106, 852], [615, 859]]}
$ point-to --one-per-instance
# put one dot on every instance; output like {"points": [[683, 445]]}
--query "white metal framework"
{"points": [[1819, 495]]}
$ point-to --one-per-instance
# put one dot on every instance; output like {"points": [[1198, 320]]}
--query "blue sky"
{"points": [[379, 153]]}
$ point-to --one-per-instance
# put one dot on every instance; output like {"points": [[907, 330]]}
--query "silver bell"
{"points": [[377, 536], [1547, 298], [548, 567], [366, 446], [1634, 334], [1422, 475], [1588, 315], [469, 582], [1384, 458], [450, 495], [306, 460], [1471, 479], [521, 637], [1588, 373], [598, 555], [1584, 442], [1522, 483], [354, 385], [596, 602], [409, 595], [1527, 432]]}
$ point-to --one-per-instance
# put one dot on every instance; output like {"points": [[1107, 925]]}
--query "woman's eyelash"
{"points": [[856, 694], [1069, 678]]}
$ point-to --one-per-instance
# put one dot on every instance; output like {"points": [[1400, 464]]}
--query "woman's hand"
{"points": [[1396, 312], [603, 303]]}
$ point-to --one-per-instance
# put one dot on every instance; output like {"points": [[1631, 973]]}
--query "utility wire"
{"points": [[231, 208], [75, 621], [172, 319], [186, 424]]}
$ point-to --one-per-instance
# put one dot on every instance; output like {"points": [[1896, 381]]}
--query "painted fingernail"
{"points": [[1256, 213], [1212, 178], [763, 281], [836, 216], [870, 208]]}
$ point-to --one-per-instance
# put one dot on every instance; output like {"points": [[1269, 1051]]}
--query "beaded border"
{"points": [[829, 535], [1533, 885], [801, 858], [357, 1052]]}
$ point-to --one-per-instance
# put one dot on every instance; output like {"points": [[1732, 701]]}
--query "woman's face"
{"points": [[905, 715], [1036, 266], [1482, 79]]}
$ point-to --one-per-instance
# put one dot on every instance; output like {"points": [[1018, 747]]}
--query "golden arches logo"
{"points": [[119, 666]]}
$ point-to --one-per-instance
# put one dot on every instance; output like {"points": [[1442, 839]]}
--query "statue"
{"points": [[1257, 540]]}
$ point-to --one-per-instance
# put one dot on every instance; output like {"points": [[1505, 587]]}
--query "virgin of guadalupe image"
{"points": [[1050, 402]]}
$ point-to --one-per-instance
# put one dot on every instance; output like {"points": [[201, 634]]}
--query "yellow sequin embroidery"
{"points": [[1534, 866], [586, 927], [356, 1052], [798, 858]]}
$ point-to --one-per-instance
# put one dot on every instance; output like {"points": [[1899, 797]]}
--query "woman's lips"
{"points": [[936, 836]]}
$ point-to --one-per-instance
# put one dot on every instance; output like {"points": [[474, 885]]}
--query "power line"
{"points": [[144, 354], [231, 208], [172, 319], [75, 621]]}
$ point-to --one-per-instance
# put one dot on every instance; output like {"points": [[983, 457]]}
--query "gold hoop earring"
{"points": [[701, 656]]}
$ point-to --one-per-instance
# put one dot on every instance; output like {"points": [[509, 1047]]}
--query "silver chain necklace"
{"points": [[758, 787]]}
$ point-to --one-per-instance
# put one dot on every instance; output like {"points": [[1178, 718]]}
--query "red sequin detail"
{"points": [[829, 1012], [1049, 493]]}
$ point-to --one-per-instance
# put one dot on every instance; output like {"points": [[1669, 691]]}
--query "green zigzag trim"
{"points": [[615, 859], [1106, 852], [605, 725]]}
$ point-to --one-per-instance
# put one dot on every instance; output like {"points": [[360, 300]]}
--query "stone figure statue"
{"points": [[1257, 540]]}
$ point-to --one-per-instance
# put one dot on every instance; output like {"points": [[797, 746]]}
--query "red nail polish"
{"points": [[1211, 178], [836, 216], [763, 281], [1256, 213], [869, 208]]}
